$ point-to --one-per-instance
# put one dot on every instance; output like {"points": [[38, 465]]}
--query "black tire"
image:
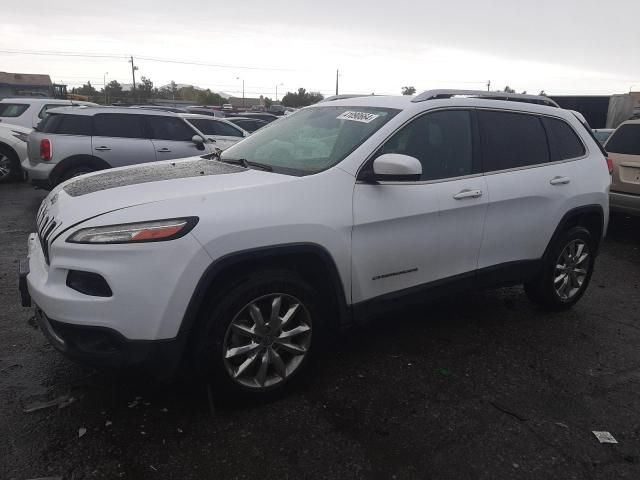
{"points": [[75, 172], [15, 171], [226, 305], [542, 289]]}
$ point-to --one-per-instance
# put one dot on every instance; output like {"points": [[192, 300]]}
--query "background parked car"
{"points": [[623, 148], [28, 112], [206, 111], [602, 134], [248, 124], [219, 131], [13, 148], [74, 141], [267, 117]]}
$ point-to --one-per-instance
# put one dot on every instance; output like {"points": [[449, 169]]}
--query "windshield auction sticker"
{"points": [[363, 117]]}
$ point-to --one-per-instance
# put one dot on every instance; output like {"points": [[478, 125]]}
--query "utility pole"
{"points": [[133, 74], [104, 86], [488, 85], [337, 75]]}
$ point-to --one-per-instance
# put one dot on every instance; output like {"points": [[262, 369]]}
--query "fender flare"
{"points": [[213, 271], [576, 214], [75, 161]]}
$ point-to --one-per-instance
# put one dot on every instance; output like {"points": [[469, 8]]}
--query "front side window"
{"points": [[625, 140], [564, 144], [442, 141], [311, 140], [12, 109], [117, 125], [512, 140], [169, 128]]}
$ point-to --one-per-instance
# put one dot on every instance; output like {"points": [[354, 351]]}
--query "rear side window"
{"points": [[118, 125], [563, 141], [12, 109], [66, 124], [512, 140], [625, 140], [169, 128]]}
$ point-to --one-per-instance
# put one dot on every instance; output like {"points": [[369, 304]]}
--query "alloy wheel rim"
{"points": [[267, 341], [5, 166], [571, 269]]}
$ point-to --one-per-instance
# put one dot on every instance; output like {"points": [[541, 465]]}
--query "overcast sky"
{"points": [[561, 46]]}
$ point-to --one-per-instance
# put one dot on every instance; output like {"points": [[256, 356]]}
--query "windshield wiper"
{"points": [[247, 164]]}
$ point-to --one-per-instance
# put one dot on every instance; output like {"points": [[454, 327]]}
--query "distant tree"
{"points": [[508, 89], [208, 97], [542, 93], [524, 92], [301, 98], [408, 90], [86, 89], [267, 102], [145, 89], [114, 91]]}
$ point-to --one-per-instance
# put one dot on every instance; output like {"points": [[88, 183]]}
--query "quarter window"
{"points": [[625, 140], [512, 140], [563, 141], [117, 125], [169, 128], [12, 109], [66, 124], [442, 141]]}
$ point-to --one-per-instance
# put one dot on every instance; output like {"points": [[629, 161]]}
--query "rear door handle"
{"points": [[468, 193], [559, 180], [163, 150], [102, 148]]}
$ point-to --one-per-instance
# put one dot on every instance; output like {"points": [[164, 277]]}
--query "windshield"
{"points": [[312, 139]]}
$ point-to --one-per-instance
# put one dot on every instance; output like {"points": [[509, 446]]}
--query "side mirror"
{"points": [[396, 167], [199, 141]]}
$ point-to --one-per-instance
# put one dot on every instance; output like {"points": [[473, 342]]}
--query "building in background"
{"points": [[25, 85]]}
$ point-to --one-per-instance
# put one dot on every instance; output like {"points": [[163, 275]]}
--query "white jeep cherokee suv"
{"points": [[334, 213]]}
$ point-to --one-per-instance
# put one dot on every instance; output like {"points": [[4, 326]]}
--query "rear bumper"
{"points": [[106, 348], [38, 172], [624, 202]]}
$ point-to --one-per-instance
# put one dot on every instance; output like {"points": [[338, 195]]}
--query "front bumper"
{"points": [[624, 202], [106, 348]]}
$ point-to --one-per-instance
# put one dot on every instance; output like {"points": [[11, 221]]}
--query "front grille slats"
{"points": [[46, 226]]}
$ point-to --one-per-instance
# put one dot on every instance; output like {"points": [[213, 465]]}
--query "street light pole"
{"points": [[104, 86], [278, 85], [238, 78]]}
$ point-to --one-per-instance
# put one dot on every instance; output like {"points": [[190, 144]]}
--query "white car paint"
{"points": [[37, 108], [371, 231]]}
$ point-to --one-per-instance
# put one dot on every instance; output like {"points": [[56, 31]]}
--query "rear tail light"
{"points": [[610, 165], [45, 149]]}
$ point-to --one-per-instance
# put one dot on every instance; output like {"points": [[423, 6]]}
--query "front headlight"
{"points": [[153, 231]]}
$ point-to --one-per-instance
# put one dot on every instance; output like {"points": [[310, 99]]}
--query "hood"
{"points": [[86, 197]]}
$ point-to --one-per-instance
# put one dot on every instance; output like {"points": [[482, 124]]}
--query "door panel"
{"points": [[119, 152], [414, 233], [167, 149]]}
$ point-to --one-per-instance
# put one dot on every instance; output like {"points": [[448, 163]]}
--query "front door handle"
{"points": [[559, 180], [468, 193], [163, 150], [102, 148]]}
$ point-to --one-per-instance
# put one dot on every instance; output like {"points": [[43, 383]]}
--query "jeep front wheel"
{"points": [[261, 334]]}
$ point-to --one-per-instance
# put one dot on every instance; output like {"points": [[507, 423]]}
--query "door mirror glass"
{"points": [[397, 167]]}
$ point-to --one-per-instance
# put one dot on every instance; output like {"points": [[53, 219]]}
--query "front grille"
{"points": [[46, 226]]}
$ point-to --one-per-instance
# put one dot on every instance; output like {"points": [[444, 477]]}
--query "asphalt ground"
{"points": [[479, 386]]}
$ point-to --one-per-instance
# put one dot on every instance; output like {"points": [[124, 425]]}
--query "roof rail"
{"points": [[344, 97], [514, 97]]}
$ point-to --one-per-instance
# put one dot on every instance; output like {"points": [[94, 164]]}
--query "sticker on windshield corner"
{"points": [[363, 117]]}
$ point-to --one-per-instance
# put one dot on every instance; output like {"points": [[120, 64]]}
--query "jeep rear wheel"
{"points": [[566, 272], [259, 334]]}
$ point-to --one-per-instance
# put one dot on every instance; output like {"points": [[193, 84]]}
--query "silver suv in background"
{"points": [[28, 112], [72, 142]]}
